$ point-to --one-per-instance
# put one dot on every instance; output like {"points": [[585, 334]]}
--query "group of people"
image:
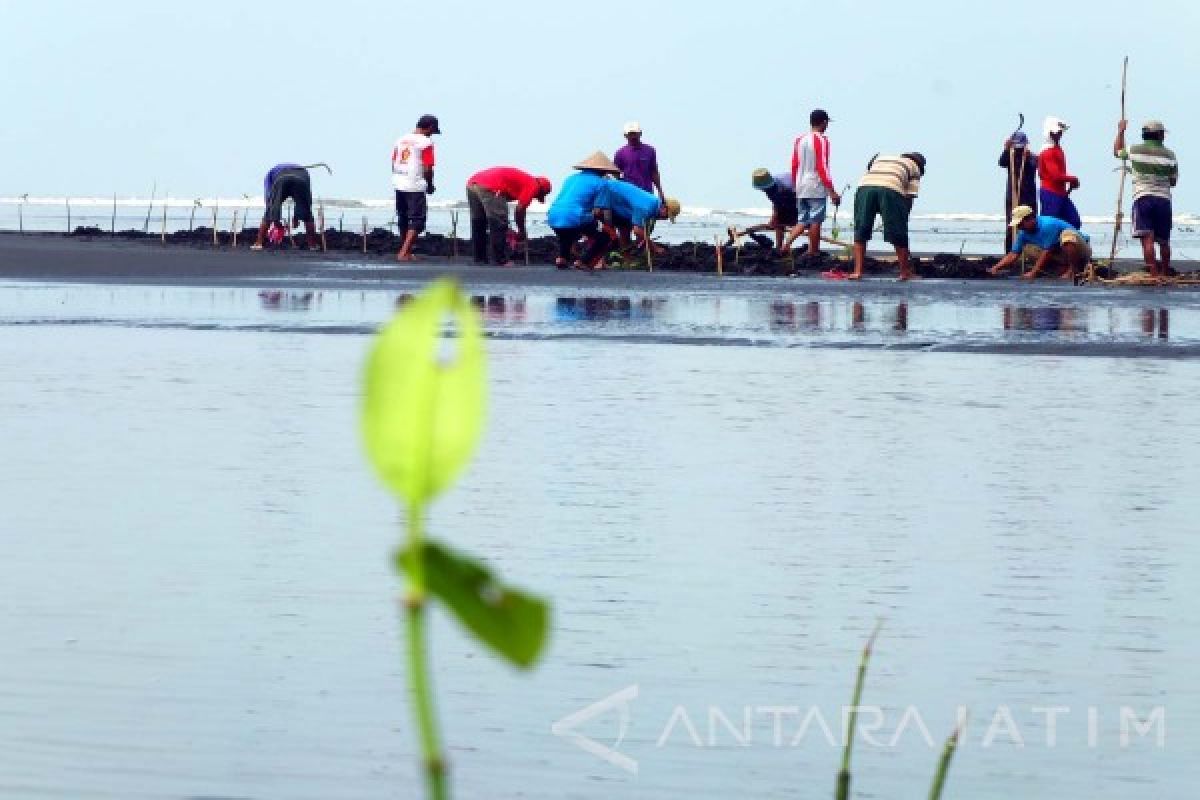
{"points": [[615, 202]]}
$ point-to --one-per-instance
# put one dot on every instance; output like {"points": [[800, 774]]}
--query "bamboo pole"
{"points": [[454, 235], [291, 224], [321, 215], [113, 228], [68, 215], [1117, 220], [150, 208], [192, 217], [720, 254], [21, 213], [164, 223], [233, 230], [649, 252], [364, 234], [216, 238]]}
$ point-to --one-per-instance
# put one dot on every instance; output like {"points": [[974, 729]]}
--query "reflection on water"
{"points": [[940, 319]]}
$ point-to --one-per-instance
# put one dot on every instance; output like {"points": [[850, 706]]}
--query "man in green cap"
{"points": [[1155, 172]]}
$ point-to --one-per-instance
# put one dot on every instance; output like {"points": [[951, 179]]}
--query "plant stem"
{"points": [[843, 781], [418, 656], [939, 780]]}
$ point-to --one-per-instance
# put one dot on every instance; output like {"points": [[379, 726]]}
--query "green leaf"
{"points": [[422, 418], [511, 622]]}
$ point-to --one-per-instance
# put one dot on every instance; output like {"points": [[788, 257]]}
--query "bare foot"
{"points": [[854, 276], [909, 276], [1029, 276]]}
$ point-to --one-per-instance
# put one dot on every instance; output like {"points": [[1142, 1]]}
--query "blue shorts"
{"points": [[1152, 217], [1060, 206], [812, 210]]}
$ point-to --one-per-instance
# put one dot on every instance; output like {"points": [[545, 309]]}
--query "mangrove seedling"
{"points": [[843, 779], [422, 418]]}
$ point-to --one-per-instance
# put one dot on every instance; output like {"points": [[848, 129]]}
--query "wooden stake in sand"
{"points": [[454, 235], [321, 222], [68, 215], [150, 209], [233, 230], [192, 217], [114, 215], [164, 223], [720, 254], [649, 251], [364, 234], [1120, 215], [216, 238], [21, 213]]}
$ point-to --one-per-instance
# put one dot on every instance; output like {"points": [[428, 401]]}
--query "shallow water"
{"points": [[197, 601]]}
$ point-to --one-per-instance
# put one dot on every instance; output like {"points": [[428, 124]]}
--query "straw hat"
{"points": [[1019, 215], [599, 162], [673, 208]]}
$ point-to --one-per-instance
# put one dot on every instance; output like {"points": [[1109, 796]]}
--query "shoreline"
{"points": [[107, 260]]}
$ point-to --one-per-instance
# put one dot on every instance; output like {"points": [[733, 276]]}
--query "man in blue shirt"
{"points": [[1059, 242], [629, 208], [572, 215]]}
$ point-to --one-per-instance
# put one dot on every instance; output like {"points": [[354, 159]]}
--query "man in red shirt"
{"points": [[1056, 182], [488, 194]]}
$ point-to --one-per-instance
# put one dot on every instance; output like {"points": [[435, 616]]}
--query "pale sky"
{"points": [[203, 98]]}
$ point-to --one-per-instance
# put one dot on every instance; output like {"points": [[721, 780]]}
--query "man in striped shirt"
{"points": [[1155, 173], [888, 190], [813, 182]]}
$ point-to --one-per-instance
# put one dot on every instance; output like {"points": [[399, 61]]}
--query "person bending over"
{"points": [[1059, 243], [287, 182]]}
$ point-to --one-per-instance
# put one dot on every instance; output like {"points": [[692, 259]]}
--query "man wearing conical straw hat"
{"points": [[573, 214]]}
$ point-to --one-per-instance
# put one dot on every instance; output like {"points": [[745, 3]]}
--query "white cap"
{"points": [[633, 127]]}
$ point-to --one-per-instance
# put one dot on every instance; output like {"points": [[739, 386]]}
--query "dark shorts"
{"points": [[412, 209], [1152, 217], [294, 185], [1060, 206], [785, 214], [872, 201]]}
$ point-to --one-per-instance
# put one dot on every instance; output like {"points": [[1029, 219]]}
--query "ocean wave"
{"points": [[695, 213]]}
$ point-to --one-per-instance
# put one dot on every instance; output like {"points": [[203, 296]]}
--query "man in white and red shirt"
{"points": [[412, 178], [813, 181]]}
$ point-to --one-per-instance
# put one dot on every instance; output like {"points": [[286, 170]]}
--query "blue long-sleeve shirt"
{"points": [[576, 198], [627, 200]]}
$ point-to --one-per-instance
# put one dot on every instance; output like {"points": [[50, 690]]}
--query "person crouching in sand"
{"points": [[1060, 243], [573, 213], [628, 210], [287, 182], [888, 190]]}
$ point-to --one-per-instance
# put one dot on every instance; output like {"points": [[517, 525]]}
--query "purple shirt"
{"points": [[272, 174], [637, 165]]}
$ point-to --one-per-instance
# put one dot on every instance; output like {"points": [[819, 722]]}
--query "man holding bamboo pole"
{"points": [[1155, 172], [1021, 166]]}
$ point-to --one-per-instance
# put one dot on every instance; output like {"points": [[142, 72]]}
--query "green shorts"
{"points": [[872, 201]]}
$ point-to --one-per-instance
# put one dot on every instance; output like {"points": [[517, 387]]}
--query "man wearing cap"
{"points": [[412, 179], [813, 182], [628, 209], [488, 194], [1155, 172], [573, 213], [1057, 183], [638, 162], [285, 182], [1060, 243], [888, 190], [1022, 190], [785, 213]]}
